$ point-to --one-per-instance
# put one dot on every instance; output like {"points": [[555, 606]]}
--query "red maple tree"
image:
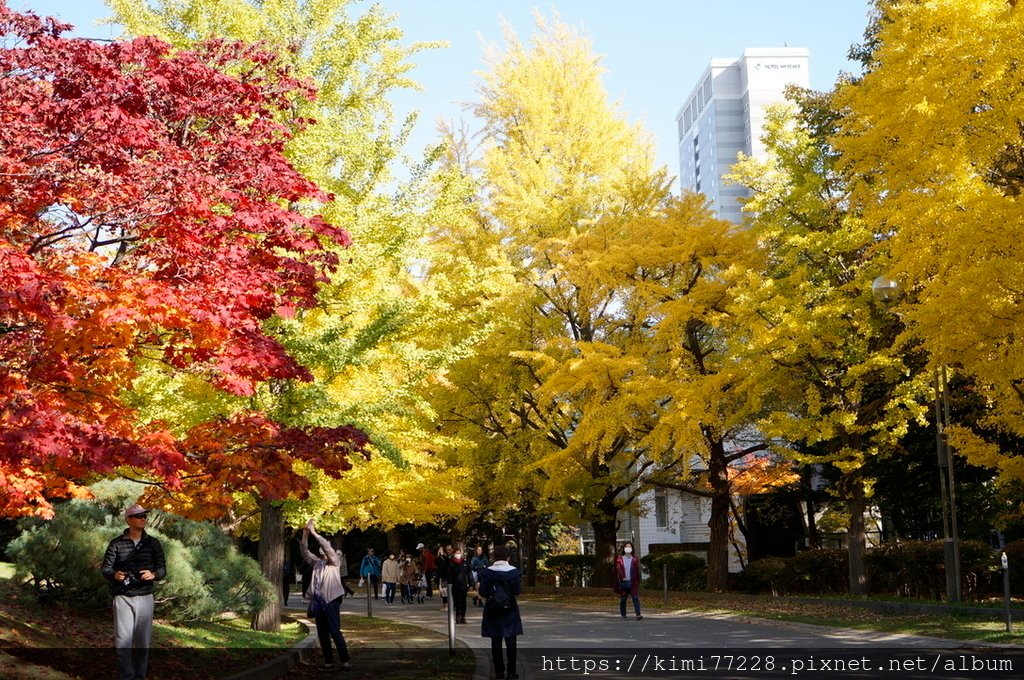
{"points": [[146, 209]]}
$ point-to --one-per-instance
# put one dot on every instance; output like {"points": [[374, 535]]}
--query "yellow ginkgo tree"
{"points": [[605, 371], [838, 388], [934, 136]]}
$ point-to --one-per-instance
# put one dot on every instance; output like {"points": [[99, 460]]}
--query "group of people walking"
{"points": [[496, 588], [134, 561]]}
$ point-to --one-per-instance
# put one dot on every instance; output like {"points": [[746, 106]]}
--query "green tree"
{"points": [[369, 342]]}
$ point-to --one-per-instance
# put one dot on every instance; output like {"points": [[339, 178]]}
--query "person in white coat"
{"points": [[325, 593], [391, 573]]}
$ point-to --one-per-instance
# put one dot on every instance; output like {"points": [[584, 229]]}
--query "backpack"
{"points": [[501, 600]]}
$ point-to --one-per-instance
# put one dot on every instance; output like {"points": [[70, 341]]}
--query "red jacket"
{"points": [[620, 575], [427, 560]]}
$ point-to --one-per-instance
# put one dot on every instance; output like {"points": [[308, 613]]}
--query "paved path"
{"points": [[598, 634], [549, 625]]}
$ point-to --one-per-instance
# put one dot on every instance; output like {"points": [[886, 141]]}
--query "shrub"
{"points": [[908, 569], [918, 569], [979, 566], [572, 570], [206, 575], [812, 572], [685, 571], [61, 558], [769, 574], [1015, 555], [818, 571], [233, 581]]}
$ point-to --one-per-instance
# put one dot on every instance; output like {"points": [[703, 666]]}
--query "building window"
{"points": [[661, 509]]}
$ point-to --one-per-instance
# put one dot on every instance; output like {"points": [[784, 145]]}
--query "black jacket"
{"points": [[458, 575], [124, 555]]}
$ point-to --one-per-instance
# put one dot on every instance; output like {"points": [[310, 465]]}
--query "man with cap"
{"points": [[133, 562]]}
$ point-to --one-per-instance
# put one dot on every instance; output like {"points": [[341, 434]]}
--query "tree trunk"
{"points": [[605, 534], [532, 540], [856, 537], [394, 541], [718, 523], [271, 564], [806, 484]]}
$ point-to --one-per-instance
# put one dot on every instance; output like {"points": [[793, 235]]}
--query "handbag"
{"points": [[317, 606]]}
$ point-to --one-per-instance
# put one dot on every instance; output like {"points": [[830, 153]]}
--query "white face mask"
{"points": [[627, 550]]}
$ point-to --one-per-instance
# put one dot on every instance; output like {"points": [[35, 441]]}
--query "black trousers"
{"points": [[328, 629], [501, 669], [459, 601]]}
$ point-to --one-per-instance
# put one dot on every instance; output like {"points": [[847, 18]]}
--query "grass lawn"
{"points": [[56, 642]]}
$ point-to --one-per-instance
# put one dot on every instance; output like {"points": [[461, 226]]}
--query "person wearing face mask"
{"points": [[391, 573], [407, 579], [627, 580], [458, 583]]}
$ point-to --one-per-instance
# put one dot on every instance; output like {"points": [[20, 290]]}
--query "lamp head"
{"points": [[885, 290]]}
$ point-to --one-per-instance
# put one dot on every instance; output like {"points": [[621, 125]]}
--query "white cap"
{"points": [[419, 546], [135, 509]]}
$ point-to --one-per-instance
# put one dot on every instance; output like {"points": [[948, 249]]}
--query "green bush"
{"points": [[1015, 555], [918, 569], [819, 571], [61, 558], [812, 572], [685, 571], [979, 569], [206, 575], [907, 569], [767, 575], [572, 570]]}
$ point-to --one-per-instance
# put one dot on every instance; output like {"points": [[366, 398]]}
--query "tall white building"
{"points": [[724, 115]]}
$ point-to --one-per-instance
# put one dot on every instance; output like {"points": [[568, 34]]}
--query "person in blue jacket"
{"points": [[369, 569], [500, 584], [476, 568]]}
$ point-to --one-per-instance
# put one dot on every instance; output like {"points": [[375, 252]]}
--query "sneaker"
{"points": [[327, 667], [346, 666], [623, 617], [638, 616]]}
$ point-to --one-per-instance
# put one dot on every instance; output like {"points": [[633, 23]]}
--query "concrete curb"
{"points": [[283, 663]]}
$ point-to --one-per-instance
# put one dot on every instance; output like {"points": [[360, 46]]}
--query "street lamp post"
{"points": [[886, 291], [951, 540]]}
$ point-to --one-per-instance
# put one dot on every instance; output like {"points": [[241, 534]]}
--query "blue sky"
{"points": [[654, 50]]}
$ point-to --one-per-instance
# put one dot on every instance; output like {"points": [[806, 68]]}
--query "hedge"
{"points": [[572, 570], [685, 571], [907, 569]]}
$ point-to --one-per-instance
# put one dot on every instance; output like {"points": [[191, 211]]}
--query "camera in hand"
{"points": [[131, 578]]}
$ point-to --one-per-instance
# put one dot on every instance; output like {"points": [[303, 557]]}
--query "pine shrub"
{"points": [[206, 575]]}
